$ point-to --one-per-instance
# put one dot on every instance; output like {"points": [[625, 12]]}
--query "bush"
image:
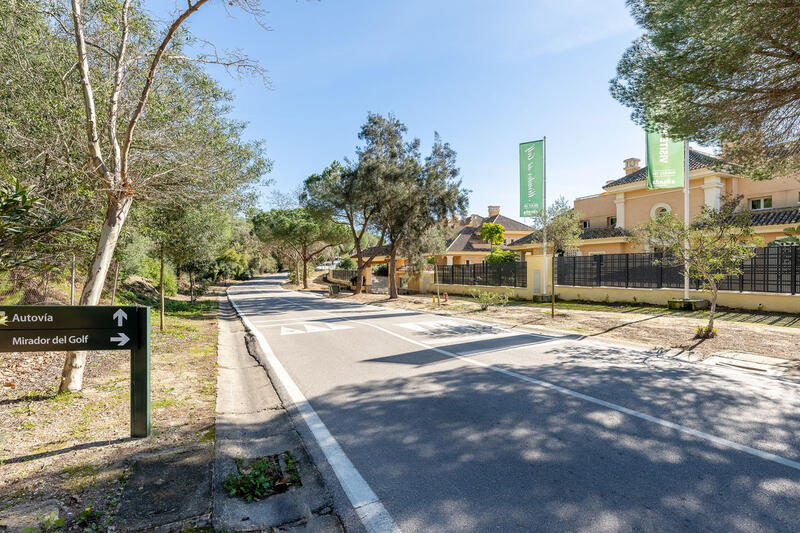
{"points": [[151, 269], [704, 332], [501, 256], [381, 270], [488, 298], [293, 276], [346, 263]]}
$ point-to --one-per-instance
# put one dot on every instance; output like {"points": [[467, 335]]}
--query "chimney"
{"points": [[494, 210], [631, 165]]}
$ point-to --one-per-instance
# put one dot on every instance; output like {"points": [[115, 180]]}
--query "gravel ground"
{"points": [[653, 329]]}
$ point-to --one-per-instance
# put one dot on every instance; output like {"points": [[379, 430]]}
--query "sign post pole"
{"points": [[687, 218], [140, 377]]}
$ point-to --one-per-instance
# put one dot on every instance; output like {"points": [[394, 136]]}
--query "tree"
{"points": [[146, 95], [719, 242], [24, 224], [307, 233], [417, 193], [721, 72], [494, 234], [563, 232], [351, 194], [792, 236]]}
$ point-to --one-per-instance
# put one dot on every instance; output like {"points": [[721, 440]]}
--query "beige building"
{"points": [[609, 218], [466, 246]]}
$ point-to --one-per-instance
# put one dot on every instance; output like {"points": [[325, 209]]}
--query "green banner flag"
{"points": [[531, 178], [665, 161]]}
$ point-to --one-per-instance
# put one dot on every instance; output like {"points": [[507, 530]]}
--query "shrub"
{"points": [[704, 332], [151, 269], [381, 270], [488, 298], [501, 256], [346, 263]]}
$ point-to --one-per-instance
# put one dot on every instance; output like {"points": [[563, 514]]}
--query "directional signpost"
{"points": [[50, 328]]}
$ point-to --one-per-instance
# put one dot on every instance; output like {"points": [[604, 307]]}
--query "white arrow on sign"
{"points": [[119, 316], [121, 339]]}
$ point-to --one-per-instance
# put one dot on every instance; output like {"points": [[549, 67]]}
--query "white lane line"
{"points": [[767, 456], [368, 507]]}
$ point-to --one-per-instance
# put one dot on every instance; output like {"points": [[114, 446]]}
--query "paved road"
{"points": [[461, 426]]}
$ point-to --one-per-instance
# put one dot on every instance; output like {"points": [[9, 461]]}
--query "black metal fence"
{"points": [[497, 274], [772, 269]]}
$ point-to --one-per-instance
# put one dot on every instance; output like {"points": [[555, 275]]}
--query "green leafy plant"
{"points": [[262, 478], [381, 270], [704, 332], [346, 263], [488, 298], [501, 256], [49, 524], [494, 234]]}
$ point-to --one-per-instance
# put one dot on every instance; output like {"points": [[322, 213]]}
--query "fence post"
{"points": [[574, 268]]}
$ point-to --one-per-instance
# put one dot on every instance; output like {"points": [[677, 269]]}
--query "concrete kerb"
{"points": [[252, 422]]}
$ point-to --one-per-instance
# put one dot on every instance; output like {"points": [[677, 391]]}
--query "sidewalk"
{"points": [[252, 423]]}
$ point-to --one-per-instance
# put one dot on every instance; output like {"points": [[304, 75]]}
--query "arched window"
{"points": [[659, 209]]}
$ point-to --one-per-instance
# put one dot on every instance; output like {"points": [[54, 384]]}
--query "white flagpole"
{"points": [[686, 215], [544, 214]]}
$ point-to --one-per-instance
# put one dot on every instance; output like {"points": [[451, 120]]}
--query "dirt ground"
{"points": [[649, 328], [74, 450]]}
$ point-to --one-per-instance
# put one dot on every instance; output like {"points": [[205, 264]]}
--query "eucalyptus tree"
{"points": [[721, 72], [417, 193], [132, 73]]}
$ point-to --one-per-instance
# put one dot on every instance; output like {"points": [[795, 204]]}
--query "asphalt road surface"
{"points": [[431, 424]]}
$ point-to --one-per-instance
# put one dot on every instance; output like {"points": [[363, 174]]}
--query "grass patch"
{"points": [[208, 434]]}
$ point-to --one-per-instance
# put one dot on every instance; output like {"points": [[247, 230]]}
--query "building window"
{"points": [[660, 209], [761, 203], [585, 224], [612, 222]]}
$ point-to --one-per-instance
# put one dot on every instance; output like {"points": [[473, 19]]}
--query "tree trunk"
{"points": [[116, 213], [116, 278], [713, 308], [359, 272], [393, 274], [161, 310], [305, 273]]}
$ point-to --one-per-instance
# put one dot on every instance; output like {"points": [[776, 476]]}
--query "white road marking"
{"points": [[312, 328], [367, 505], [767, 456]]}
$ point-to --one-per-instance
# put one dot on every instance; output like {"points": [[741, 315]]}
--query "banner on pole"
{"points": [[665, 161], [531, 178]]}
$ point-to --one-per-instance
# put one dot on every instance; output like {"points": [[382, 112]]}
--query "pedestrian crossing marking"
{"points": [[301, 329]]}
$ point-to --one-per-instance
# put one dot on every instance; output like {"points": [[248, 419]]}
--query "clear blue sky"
{"points": [[485, 75]]}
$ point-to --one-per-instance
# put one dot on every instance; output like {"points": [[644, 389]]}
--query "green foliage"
{"points": [[262, 478], [381, 270], [719, 243], [24, 225], [306, 233], [721, 72], [494, 234], [346, 263], [563, 225], [151, 269], [49, 524], [792, 236], [705, 332], [487, 298], [499, 255]]}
